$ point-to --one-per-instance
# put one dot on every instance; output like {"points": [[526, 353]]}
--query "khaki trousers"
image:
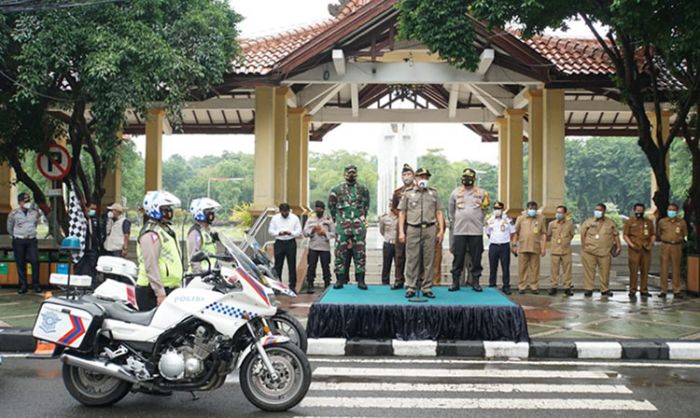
{"points": [[639, 261], [671, 253], [590, 264], [528, 271], [437, 276], [420, 240], [563, 262]]}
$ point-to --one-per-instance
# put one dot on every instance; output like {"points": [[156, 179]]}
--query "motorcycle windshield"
{"points": [[241, 259]]}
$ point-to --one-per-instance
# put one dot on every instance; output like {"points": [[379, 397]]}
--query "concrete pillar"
{"points": [[665, 132], [294, 160], [264, 172], [154, 149], [514, 182], [306, 123], [113, 179], [554, 173], [8, 194], [502, 158], [280, 173], [535, 144]]}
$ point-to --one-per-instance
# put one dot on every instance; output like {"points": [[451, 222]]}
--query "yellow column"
{"points": [[8, 194], [113, 179], [665, 132], [154, 149], [514, 183], [502, 158], [264, 172], [535, 152], [553, 153], [294, 159], [281, 144], [305, 163]]}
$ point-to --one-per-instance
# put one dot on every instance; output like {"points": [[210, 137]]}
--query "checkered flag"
{"points": [[77, 224]]}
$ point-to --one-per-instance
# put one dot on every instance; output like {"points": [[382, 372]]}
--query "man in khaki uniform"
{"points": [[421, 210], [598, 236], [408, 180], [638, 233], [672, 232], [560, 232], [529, 243]]}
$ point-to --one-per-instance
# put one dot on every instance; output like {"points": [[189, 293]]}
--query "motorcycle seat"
{"points": [[117, 310]]}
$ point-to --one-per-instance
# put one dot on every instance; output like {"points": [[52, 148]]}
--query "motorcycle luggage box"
{"points": [[69, 322], [117, 266]]}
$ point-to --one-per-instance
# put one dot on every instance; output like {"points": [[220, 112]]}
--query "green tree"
{"points": [[76, 72]]}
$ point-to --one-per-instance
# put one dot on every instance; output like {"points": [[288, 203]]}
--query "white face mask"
{"points": [[598, 214], [407, 179], [110, 214], [27, 205], [497, 212], [423, 183]]}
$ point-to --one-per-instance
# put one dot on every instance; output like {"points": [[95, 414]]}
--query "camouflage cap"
{"points": [[351, 167], [468, 172], [406, 168], [423, 172]]}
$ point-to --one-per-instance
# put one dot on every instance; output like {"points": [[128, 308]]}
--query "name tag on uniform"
{"points": [[646, 232], [678, 230], [558, 240], [597, 236], [460, 205]]}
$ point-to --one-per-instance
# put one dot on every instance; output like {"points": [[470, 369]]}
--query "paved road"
{"points": [[364, 387]]}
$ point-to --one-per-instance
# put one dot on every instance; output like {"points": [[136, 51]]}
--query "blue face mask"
{"points": [[672, 214], [531, 213], [91, 213], [598, 214]]}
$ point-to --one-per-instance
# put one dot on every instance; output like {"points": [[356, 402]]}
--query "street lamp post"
{"points": [[210, 179]]}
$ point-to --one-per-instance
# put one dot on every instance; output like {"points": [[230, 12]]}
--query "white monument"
{"points": [[396, 148]]}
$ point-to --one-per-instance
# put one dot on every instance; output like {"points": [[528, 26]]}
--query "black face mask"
{"points": [[210, 218], [167, 214], [351, 178], [467, 181], [639, 215], [319, 214]]}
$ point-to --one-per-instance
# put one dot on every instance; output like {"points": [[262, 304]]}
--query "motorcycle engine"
{"points": [[186, 361]]}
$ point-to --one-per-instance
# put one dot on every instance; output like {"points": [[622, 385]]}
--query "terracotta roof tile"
{"points": [[572, 56]]}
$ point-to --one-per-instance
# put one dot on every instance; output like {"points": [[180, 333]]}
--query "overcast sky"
{"points": [[265, 17]]}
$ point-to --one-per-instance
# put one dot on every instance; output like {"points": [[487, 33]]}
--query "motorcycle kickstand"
{"points": [[194, 396], [263, 355]]}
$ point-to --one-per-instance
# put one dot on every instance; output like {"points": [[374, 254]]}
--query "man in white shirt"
{"points": [[500, 230], [285, 227]]}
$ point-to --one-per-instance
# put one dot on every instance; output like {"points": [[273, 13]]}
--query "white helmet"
{"points": [[199, 207], [155, 200]]}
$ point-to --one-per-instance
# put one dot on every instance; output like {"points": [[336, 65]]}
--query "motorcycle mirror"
{"points": [[198, 257]]}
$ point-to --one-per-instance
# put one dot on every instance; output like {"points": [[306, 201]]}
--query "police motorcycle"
{"points": [[195, 338]]}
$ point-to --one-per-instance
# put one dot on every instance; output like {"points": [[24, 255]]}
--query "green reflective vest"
{"points": [[208, 244], [169, 261]]}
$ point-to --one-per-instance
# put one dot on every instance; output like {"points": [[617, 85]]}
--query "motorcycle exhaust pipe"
{"points": [[107, 369]]}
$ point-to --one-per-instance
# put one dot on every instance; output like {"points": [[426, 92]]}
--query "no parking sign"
{"points": [[55, 164]]}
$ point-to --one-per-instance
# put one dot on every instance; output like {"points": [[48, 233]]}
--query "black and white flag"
{"points": [[77, 224]]}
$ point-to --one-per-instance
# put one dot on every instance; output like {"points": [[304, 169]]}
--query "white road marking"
{"points": [[478, 388], [357, 360], [491, 373], [476, 403]]}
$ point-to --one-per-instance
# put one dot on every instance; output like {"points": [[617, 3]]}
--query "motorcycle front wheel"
{"points": [[93, 389], [287, 325], [290, 387]]}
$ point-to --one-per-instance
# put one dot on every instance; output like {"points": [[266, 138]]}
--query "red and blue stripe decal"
{"points": [[269, 340], [76, 332], [254, 284]]}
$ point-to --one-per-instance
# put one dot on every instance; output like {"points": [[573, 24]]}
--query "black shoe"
{"points": [[361, 285], [397, 286], [326, 284], [535, 292], [429, 294], [588, 293], [632, 295], [552, 292], [521, 292], [569, 292], [608, 293], [21, 291], [477, 288], [338, 285], [453, 288], [37, 290], [662, 295], [506, 290], [410, 293], [492, 285], [310, 289], [645, 294], [678, 296]]}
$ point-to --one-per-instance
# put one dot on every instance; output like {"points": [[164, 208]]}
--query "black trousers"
{"points": [[388, 251], [499, 253], [286, 250], [24, 249], [146, 297], [87, 265], [325, 257], [463, 244]]}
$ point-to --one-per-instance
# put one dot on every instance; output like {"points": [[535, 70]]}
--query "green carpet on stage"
{"points": [[383, 295]]}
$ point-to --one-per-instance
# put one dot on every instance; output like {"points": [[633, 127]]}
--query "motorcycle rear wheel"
{"points": [[288, 326], [93, 389], [288, 390]]}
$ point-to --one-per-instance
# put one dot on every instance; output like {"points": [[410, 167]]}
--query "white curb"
{"points": [[683, 351], [326, 346], [599, 350], [507, 349], [422, 348]]}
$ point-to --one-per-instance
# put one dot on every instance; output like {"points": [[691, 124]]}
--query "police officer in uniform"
{"points": [[500, 231], [598, 237], [420, 209], [348, 204], [21, 225], [529, 243], [468, 204], [387, 228], [672, 232], [160, 264], [560, 232], [408, 180], [200, 237], [638, 233]]}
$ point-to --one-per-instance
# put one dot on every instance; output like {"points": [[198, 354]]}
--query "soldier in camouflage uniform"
{"points": [[349, 204]]}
